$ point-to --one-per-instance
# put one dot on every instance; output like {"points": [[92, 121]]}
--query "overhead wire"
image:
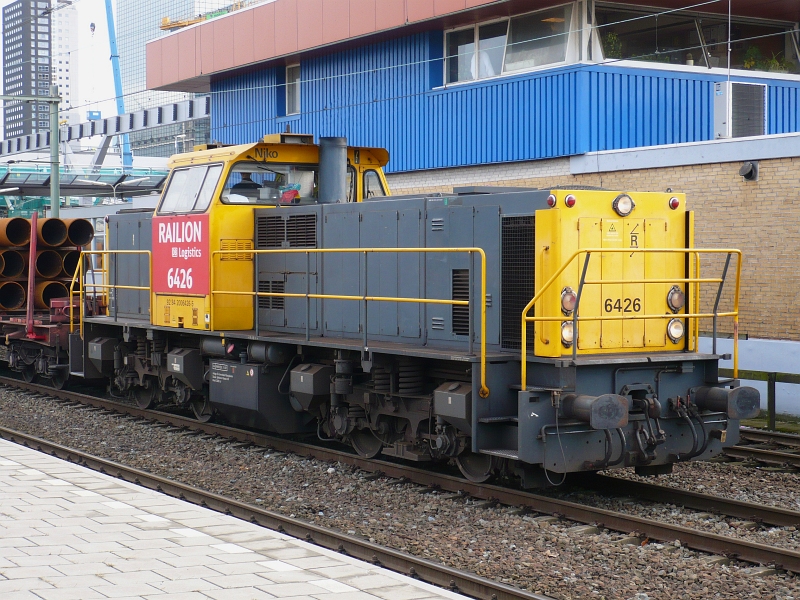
{"points": [[422, 62], [444, 59]]}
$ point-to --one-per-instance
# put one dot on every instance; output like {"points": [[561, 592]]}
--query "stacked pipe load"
{"points": [[57, 254]]}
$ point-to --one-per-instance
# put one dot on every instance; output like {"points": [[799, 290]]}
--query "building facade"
{"points": [[531, 92], [137, 23], [26, 65], [65, 41]]}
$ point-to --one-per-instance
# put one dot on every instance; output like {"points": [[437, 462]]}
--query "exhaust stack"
{"points": [[332, 170]]}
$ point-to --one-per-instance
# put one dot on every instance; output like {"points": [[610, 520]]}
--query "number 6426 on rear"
{"points": [[623, 305]]}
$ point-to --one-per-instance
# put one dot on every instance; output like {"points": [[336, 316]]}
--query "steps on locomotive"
{"points": [[509, 419], [502, 453]]}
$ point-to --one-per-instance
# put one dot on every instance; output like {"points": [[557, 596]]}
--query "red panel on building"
{"points": [[186, 48], [362, 17], [153, 54], [264, 27], [243, 38], [207, 48], [224, 35], [336, 16], [419, 10], [285, 27], [181, 255], [309, 34], [390, 13], [169, 68], [443, 7]]}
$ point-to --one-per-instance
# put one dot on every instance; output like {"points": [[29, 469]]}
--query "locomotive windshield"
{"points": [[190, 189], [260, 183]]}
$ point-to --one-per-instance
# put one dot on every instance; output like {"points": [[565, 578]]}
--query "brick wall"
{"points": [[762, 218]]}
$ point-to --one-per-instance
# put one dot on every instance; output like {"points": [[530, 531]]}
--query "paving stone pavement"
{"points": [[70, 533]]}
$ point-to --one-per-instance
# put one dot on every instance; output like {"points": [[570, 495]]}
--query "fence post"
{"points": [[771, 377]]}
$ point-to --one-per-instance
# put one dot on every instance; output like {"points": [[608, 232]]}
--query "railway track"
{"points": [[645, 528], [767, 447]]}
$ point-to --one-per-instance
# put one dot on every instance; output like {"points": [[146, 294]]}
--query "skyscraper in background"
{"points": [[138, 22], [64, 41], [38, 41], [26, 65]]}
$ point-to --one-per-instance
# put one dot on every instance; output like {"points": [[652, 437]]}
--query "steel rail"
{"points": [[661, 493], [419, 568], [762, 455], [697, 540], [770, 437]]}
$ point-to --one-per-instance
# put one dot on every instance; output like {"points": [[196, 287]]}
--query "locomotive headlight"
{"points": [[566, 333], [568, 300], [675, 330], [623, 205], [676, 299]]}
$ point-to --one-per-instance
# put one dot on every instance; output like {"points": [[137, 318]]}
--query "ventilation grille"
{"points": [[461, 292], [236, 245], [271, 302], [296, 231], [517, 272], [301, 231], [748, 107], [270, 232]]}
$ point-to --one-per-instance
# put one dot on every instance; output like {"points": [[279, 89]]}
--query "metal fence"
{"points": [[771, 378]]}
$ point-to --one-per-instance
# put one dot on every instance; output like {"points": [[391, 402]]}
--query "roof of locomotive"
{"points": [[300, 153]]}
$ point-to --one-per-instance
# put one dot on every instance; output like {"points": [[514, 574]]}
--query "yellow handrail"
{"points": [[79, 272], [696, 252], [484, 391]]}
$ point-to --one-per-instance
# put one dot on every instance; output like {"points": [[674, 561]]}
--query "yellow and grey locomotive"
{"points": [[542, 332]]}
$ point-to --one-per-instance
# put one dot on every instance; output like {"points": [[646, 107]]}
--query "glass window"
{"points": [[524, 42], [676, 39], [270, 183], [538, 39], [373, 188], [460, 55], [491, 47], [190, 189], [293, 89]]}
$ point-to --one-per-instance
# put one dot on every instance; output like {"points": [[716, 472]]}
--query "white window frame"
{"points": [[571, 56], [296, 84]]}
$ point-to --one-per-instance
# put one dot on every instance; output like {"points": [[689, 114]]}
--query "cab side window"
{"points": [[373, 188]]}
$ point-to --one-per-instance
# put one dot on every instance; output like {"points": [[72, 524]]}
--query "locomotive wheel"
{"points": [[59, 379], [365, 443], [478, 468], [28, 373], [202, 410], [146, 396]]}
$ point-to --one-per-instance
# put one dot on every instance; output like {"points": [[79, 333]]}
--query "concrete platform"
{"points": [[67, 532]]}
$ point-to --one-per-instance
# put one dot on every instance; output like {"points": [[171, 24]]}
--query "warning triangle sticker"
{"points": [[612, 228]]}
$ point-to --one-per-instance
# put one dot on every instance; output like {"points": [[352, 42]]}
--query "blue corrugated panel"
{"points": [[632, 108], [783, 108], [389, 94]]}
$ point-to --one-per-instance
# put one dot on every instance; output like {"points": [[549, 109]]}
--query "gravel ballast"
{"points": [[535, 552]]}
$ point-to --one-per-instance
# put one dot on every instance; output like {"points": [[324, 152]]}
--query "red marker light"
{"points": [[674, 203], [570, 201], [551, 201]]}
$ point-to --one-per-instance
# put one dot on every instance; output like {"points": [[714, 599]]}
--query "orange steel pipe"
{"points": [[51, 232], [15, 232]]}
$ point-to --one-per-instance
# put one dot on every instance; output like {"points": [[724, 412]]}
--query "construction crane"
{"points": [[168, 25], [127, 157]]}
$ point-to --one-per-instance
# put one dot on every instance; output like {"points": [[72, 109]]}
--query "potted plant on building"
{"points": [[612, 45]]}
